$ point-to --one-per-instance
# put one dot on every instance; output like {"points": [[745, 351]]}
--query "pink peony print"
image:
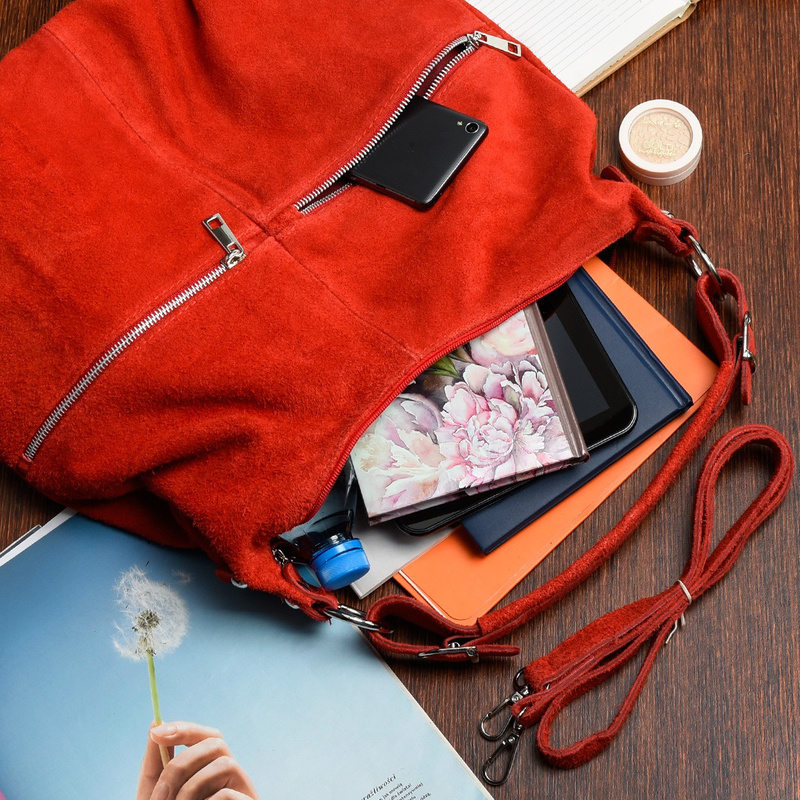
{"points": [[397, 459], [509, 341], [499, 422], [482, 416]]}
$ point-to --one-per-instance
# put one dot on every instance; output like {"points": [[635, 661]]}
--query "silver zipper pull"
{"points": [[503, 45], [219, 229]]}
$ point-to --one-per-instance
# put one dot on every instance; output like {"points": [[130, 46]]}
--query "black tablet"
{"points": [[603, 405], [602, 402]]}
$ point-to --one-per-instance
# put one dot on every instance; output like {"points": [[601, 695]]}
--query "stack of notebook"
{"points": [[659, 398]]}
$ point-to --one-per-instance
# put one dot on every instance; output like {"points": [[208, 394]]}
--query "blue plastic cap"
{"points": [[341, 564]]}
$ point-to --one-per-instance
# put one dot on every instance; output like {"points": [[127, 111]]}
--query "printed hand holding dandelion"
{"points": [[158, 621]]}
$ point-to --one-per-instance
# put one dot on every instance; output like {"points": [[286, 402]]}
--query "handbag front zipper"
{"points": [[234, 254], [425, 85]]}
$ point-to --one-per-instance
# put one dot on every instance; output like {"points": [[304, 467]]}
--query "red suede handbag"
{"points": [[201, 316], [203, 385]]}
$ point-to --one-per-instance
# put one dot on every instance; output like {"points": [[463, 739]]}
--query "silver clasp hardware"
{"points": [[495, 42], [703, 256], [471, 651], [508, 746], [521, 689], [225, 237], [747, 353], [695, 266], [682, 618], [357, 618]]}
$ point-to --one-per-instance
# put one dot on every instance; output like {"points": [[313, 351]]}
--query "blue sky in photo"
{"points": [[300, 704]]}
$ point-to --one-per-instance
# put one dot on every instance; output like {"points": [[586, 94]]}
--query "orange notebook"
{"points": [[456, 579]]}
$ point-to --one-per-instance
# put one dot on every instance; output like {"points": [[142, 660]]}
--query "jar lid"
{"points": [[660, 142], [341, 564]]}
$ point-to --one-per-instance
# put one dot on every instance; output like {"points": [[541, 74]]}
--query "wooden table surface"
{"points": [[720, 714]]}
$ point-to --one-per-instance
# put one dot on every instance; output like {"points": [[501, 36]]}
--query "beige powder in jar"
{"points": [[661, 136], [660, 142]]}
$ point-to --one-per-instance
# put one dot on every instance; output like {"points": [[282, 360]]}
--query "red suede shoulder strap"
{"points": [[592, 655]]}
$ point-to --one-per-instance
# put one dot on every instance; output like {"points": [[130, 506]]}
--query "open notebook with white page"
{"points": [[582, 41]]}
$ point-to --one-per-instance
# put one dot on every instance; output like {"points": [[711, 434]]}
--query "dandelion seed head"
{"points": [[146, 622], [156, 615]]}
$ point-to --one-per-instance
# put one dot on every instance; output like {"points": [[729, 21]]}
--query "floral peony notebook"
{"points": [[492, 412]]}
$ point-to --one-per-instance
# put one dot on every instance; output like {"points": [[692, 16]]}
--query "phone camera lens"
{"points": [[472, 127]]}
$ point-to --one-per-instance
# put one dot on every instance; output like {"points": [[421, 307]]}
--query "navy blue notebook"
{"points": [[658, 396]]}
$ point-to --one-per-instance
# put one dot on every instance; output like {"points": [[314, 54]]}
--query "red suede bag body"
{"points": [[146, 385]]}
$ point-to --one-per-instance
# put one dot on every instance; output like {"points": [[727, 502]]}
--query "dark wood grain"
{"points": [[720, 716]]}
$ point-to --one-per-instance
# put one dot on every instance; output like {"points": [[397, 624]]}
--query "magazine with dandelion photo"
{"points": [[131, 671], [490, 413]]}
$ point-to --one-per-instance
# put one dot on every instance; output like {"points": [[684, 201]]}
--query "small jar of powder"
{"points": [[660, 142]]}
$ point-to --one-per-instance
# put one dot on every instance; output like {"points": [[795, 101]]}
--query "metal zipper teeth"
{"points": [[122, 344], [468, 50], [326, 197], [303, 205]]}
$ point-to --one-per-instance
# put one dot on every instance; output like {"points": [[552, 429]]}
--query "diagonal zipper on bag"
{"points": [[234, 254], [425, 85]]}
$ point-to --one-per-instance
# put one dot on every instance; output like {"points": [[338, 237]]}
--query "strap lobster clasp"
{"points": [[508, 747], [521, 689]]}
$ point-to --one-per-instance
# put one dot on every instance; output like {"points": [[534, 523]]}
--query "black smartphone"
{"points": [[602, 403], [421, 154]]}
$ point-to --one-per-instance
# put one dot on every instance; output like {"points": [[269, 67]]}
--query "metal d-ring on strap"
{"points": [[701, 254], [355, 617]]}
